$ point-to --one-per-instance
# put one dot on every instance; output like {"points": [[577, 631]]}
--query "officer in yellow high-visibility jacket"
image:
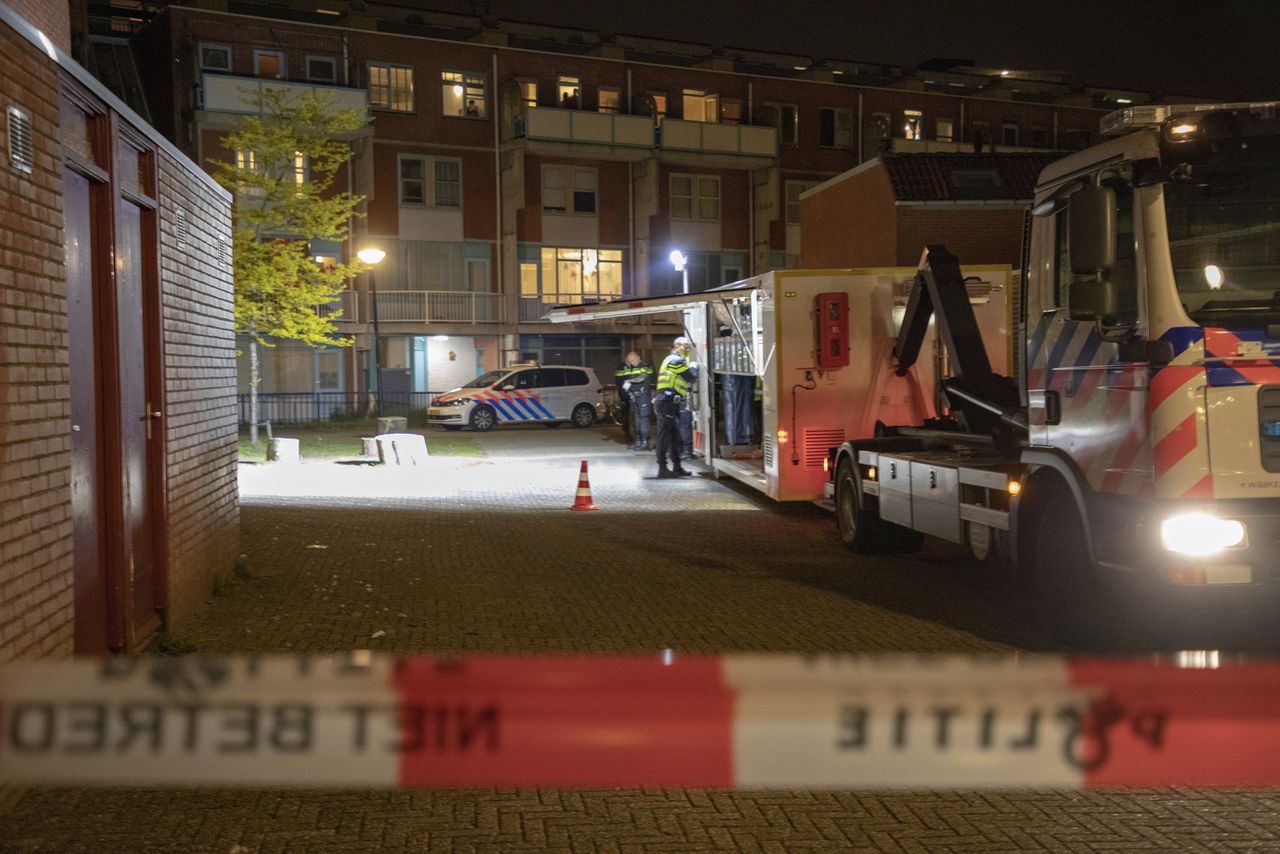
{"points": [[672, 388]]}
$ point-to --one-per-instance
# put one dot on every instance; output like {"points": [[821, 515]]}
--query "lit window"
{"points": [[462, 93], [695, 197], [610, 99], [913, 124], [568, 93], [701, 106], [391, 87], [573, 276], [268, 64], [944, 130], [731, 111], [657, 104], [529, 93]]}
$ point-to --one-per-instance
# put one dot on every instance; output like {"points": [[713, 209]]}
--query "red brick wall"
{"points": [[975, 235], [35, 527], [51, 17], [200, 385], [851, 223]]}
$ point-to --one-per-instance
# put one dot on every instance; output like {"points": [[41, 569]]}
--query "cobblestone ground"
{"points": [[481, 555]]}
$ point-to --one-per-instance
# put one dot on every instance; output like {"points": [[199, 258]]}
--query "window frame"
{"points": [[836, 112], [259, 52], [1005, 128], [702, 98], [786, 201], [951, 130], [695, 197], [913, 124], [466, 81], [782, 124], [429, 179], [569, 189], [230, 54], [332, 62], [521, 83], [616, 91], [370, 65], [561, 95]]}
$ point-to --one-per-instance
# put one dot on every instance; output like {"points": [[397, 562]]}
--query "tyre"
{"points": [[483, 418], [861, 528], [1066, 581], [584, 415]]}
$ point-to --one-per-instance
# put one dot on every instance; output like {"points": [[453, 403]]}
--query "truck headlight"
{"points": [[1200, 534]]}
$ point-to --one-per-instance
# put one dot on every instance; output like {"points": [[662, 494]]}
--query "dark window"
{"points": [[522, 379], [573, 377], [551, 378]]}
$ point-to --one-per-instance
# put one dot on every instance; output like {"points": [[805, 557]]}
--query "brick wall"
{"points": [[851, 223], [975, 235], [200, 385], [35, 526], [51, 17]]}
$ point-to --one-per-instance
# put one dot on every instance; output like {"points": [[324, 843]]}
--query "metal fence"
{"points": [[310, 407]]}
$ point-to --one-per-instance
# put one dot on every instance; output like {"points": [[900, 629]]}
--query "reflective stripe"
{"points": [[671, 375], [518, 401]]}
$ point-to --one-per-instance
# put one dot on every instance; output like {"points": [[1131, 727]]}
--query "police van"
{"points": [[549, 394]]}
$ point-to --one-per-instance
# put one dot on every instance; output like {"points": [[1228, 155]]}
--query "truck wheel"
{"points": [[861, 528], [1067, 580], [482, 419]]}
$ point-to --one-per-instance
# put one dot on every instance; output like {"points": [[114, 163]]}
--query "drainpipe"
{"points": [[860, 127], [497, 192]]}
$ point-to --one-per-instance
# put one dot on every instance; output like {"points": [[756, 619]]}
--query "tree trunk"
{"points": [[253, 391]]}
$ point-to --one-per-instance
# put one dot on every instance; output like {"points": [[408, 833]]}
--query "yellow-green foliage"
{"points": [[277, 282]]}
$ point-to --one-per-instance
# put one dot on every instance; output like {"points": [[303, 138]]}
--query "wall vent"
{"points": [[21, 146], [180, 227], [818, 441]]}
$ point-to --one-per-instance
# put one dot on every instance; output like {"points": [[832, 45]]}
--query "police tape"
{"points": [[735, 721]]}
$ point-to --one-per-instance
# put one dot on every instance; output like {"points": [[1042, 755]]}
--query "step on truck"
{"points": [[1141, 429]]}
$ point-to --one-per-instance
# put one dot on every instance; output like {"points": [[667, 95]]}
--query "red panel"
{"points": [[832, 311], [566, 722]]}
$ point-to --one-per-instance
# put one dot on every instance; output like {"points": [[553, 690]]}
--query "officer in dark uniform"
{"points": [[635, 385], [620, 378], [673, 387]]}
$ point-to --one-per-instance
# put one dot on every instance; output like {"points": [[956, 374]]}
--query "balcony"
{"points": [[581, 126], [221, 99], [532, 310], [348, 304], [713, 138], [613, 136], [438, 307]]}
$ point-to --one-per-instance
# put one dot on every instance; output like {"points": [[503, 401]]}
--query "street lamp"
{"points": [[681, 262], [370, 256]]}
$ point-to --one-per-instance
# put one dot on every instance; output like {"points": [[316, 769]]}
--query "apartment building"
{"points": [[512, 168]]}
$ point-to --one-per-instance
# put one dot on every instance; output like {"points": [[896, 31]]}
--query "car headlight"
{"points": [[1200, 534], [457, 402]]}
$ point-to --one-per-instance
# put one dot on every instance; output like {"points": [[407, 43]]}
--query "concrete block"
{"points": [[369, 447], [283, 451], [402, 449], [393, 424]]}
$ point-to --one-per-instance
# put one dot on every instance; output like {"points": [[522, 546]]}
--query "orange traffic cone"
{"points": [[583, 499]]}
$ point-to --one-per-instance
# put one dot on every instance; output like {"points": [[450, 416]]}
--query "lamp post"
{"points": [[371, 256], [681, 262]]}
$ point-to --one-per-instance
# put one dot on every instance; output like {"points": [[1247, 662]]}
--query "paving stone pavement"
{"points": [[482, 555]]}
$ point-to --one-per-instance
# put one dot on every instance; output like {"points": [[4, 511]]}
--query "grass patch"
{"points": [[335, 441], [166, 645]]}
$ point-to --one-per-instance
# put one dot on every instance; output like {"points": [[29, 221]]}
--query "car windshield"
{"points": [[1224, 236], [486, 380]]}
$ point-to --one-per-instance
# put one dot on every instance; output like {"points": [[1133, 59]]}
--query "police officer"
{"points": [[673, 387], [620, 378], [635, 385]]}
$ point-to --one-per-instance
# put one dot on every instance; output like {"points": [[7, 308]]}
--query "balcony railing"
{"points": [[439, 307], [714, 138], [348, 304], [551, 123], [221, 93]]}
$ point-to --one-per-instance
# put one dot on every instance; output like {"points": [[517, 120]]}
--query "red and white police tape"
{"points": [[743, 721]]}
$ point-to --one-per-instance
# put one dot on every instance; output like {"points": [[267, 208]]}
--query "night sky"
{"points": [[1227, 49]]}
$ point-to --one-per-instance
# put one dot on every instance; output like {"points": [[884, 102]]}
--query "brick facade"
{"points": [[197, 494], [35, 526]]}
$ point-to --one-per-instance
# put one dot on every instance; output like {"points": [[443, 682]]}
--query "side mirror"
{"points": [[1092, 301], [1091, 230]]}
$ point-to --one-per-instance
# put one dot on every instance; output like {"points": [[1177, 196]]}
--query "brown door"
{"points": [[139, 421], [91, 588]]}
